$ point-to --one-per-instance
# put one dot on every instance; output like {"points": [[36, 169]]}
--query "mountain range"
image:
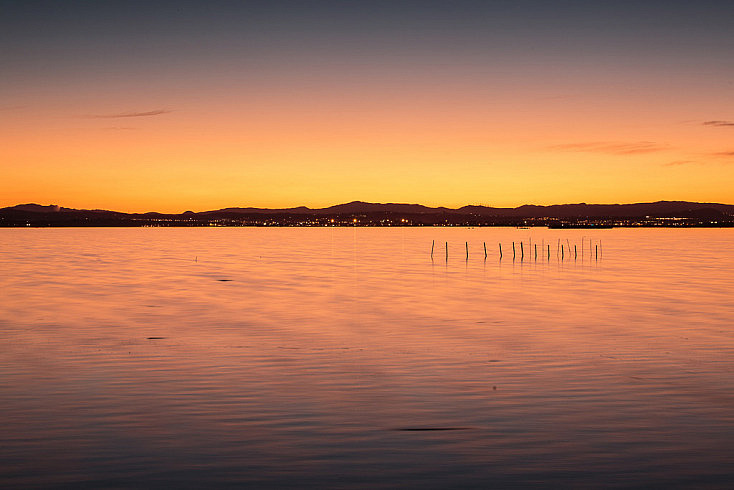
{"points": [[54, 215]]}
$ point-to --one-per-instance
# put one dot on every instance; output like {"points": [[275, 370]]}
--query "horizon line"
{"points": [[367, 203]]}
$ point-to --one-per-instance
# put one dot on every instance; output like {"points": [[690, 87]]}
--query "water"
{"points": [[320, 357]]}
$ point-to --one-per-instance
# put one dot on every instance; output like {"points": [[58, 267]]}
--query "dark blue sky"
{"points": [[43, 31]]}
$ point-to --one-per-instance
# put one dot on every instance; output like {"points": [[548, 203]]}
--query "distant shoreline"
{"points": [[669, 214], [652, 223]]}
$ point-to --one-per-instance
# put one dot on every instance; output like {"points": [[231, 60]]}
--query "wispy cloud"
{"points": [[679, 162], [718, 123], [119, 115], [715, 158], [613, 148]]}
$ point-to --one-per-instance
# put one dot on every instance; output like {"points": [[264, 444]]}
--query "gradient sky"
{"points": [[169, 106]]}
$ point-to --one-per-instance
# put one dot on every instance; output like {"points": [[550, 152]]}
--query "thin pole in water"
{"points": [[500, 250], [562, 254], [433, 242], [582, 249], [467, 250], [548, 252], [522, 252], [575, 254], [447, 251], [485, 250], [596, 251], [513, 250], [536, 251]]}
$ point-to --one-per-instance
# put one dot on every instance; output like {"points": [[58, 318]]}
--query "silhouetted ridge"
{"points": [[384, 214], [35, 208]]}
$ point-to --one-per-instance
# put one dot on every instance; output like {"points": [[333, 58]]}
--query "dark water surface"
{"points": [[346, 357]]}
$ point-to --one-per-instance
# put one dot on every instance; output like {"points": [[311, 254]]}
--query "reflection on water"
{"points": [[327, 357]]}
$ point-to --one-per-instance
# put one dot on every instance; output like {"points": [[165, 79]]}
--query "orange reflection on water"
{"points": [[318, 355]]}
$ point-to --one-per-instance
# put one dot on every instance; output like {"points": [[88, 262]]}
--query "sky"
{"points": [[173, 106]]}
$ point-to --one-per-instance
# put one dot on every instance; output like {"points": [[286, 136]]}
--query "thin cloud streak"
{"points": [[157, 112], [612, 148], [679, 162], [720, 157], [718, 123]]}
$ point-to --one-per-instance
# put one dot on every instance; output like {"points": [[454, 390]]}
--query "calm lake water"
{"points": [[321, 357]]}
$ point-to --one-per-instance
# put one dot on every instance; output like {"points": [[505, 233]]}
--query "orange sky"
{"points": [[204, 133]]}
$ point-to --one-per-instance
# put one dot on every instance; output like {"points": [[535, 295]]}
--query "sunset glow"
{"points": [[191, 106], [348, 244]]}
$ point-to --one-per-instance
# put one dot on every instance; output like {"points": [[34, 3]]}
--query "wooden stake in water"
{"points": [[467, 250], [548, 252], [596, 251], [562, 254], [513, 250], [575, 254], [522, 252], [433, 242], [447, 251], [485, 250], [536, 251], [500, 250]]}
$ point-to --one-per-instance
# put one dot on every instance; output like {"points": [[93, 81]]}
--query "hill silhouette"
{"points": [[580, 210], [381, 214]]}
